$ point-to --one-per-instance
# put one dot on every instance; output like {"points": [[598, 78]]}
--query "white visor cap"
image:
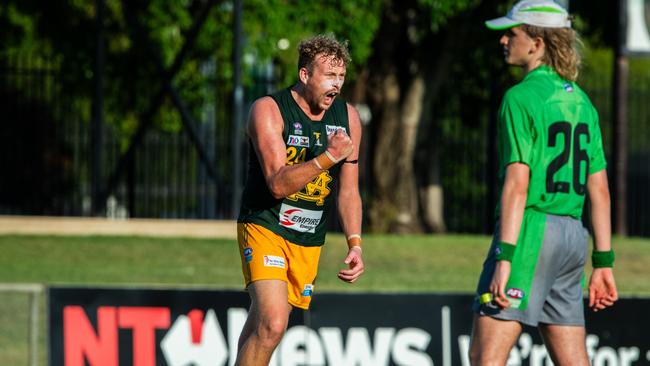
{"points": [[541, 13]]}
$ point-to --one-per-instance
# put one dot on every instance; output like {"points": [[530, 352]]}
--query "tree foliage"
{"points": [[429, 71]]}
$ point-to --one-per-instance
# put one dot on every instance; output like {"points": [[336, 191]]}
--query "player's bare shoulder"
{"points": [[354, 120], [264, 115]]}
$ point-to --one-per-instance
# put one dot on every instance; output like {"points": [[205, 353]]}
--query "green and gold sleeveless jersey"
{"points": [[550, 125], [301, 217]]}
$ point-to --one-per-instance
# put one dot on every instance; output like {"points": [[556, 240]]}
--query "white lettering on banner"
{"points": [[463, 349], [409, 348], [199, 340], [299, 219], [236, 319], [301, 346], [537, 355], [179, 348], [331, 129], [357, 349]]}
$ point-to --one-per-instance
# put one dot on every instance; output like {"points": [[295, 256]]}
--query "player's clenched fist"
{"points": [[339, 145]]}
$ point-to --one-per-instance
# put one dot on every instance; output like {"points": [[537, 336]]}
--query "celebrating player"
{"points": [[304, 142]]}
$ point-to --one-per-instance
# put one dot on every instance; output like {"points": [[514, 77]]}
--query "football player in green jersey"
{"points": [[304, 142], [550, 157]]}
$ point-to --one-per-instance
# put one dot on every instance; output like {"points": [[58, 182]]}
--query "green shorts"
{"points": [[545, 284]]}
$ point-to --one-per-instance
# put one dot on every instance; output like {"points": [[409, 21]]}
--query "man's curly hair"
{"points": [[322, 45]]}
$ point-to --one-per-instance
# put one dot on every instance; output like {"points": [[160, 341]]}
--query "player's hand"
{"points": [[355, 266], [499, 282], [602, 289], [339, 144]]}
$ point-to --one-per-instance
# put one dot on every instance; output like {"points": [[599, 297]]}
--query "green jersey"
{"points": [[550, 125], [300, 218]]}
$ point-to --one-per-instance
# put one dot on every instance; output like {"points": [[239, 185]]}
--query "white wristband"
{"points": [[332, 158], [354, 236], [317, 164]]}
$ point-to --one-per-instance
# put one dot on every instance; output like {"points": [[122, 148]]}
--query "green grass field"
{"points": [[417, 263]]}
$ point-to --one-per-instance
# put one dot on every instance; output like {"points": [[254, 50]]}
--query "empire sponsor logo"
{"points": [[299, 219]]}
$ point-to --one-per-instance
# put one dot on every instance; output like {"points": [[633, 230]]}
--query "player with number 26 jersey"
{"points": [[550, 159], [550, 125]]}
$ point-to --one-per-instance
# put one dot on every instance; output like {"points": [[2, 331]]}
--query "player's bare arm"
{"points": [[513, 203], [265, 128], [349, 202], [602, 287]]}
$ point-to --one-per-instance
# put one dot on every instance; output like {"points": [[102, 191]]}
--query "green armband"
{"points": [[505, 251], [603, 259]]}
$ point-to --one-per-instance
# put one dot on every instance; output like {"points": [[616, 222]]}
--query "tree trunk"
{"points": [[395, 203], [404, 78]]}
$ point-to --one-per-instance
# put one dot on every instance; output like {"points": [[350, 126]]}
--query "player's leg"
{"points": [[565, 344], [492, 340], [266, 322], [561, 323], [264, 267]]}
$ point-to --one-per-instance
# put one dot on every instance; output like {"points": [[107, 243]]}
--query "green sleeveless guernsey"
{"points": [[300, 218], [550, 125]]}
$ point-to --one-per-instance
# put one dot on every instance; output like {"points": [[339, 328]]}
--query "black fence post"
{"points": [[96, 134], [238, 103]]}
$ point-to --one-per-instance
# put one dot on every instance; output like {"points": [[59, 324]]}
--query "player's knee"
{"points": [[474, 356], [271, 331]]}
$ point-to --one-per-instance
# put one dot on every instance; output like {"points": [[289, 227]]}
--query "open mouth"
{"points": [[329, 97]]}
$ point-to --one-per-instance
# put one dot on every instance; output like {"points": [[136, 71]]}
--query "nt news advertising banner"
{"points": [[147, 327]]}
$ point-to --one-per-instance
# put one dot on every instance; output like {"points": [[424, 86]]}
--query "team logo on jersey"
{"points": [[294, 140], [331, 129], [248, 254], [297, 128], [299, 219], [315, 191], [308, 290], [567, 87], [317, 135], [273, 261]]}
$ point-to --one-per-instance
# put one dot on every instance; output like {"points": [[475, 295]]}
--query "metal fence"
{"points": [[46, 156]]}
